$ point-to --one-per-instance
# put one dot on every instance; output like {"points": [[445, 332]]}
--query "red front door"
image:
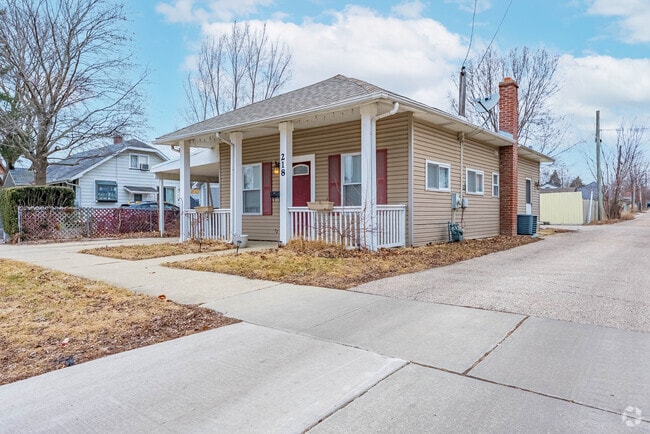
{"points": [[301, 183]]}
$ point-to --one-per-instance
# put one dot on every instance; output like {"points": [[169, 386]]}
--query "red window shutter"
{"points": [[267, 187], [334, 179], [382, 176]]}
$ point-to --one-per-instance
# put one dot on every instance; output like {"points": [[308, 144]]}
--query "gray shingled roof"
{"points": [[21, 176], [335, 90], [75, 165]]}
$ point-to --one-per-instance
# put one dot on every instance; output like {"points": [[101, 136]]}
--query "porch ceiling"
{"points": [[204, 167]]}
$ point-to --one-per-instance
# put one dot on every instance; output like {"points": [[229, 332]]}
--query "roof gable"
{"points": [[78, 164]]}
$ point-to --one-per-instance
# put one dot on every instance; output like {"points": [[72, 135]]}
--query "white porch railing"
{"points": [[347, 225], [206, 226]]}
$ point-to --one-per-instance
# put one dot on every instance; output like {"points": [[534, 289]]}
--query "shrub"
{"points": [[41, 195]]}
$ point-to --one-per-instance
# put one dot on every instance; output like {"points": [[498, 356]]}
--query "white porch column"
{"points": [[369, 176], [286, 180], [236, 183], [184, 198], [161, 206]]}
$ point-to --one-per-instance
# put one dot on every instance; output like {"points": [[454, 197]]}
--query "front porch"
{"points": [[350, 226]]}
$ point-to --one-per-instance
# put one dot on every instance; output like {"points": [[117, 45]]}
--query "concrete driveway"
{"points": [[597, 275]]}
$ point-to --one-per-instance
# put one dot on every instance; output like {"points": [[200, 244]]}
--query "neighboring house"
{"points": [[18, 177], [389, 165], [108, 176]]}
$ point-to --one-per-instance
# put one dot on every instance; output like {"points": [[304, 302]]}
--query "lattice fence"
{"points": [[48, 223]]}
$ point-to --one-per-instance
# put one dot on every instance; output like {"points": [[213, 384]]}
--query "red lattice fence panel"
{"points": [[48, 223]]}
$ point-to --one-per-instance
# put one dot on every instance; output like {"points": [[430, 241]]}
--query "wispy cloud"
{"points": [[408, 9], [468, 5], [202, 11], [632, 16]]}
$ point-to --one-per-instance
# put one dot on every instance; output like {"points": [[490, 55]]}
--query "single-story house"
{"points": [[107, 176], [346, 161]]}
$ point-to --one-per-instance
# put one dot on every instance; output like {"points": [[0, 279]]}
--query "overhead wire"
{"points": [[495, 34], [471, 35]]}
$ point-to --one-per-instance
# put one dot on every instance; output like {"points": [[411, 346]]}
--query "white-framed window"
{"points": [[495, 184], [105, 191], [351, 184], [169, 195], [252, 189], [437, 176], [474, 181], [138, 161]]}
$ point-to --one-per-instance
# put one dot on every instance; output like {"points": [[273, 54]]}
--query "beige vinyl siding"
{"points": [[321, 142], [263, 150], [528, 169], [432, 209]]}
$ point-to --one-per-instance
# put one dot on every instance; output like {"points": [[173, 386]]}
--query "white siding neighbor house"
{"points": [[109, 176]]}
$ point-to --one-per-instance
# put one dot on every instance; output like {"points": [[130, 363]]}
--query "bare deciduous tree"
{"points": [[624, 167], [534, 71], [235, 69], [67, 67]]}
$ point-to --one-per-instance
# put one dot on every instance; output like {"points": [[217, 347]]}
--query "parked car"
{"points": [[150, 205]]}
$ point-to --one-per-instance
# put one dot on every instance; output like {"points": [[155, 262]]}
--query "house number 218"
{"points": [[282, 168]]}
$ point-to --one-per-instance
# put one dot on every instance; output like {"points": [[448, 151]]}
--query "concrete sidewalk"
{"points": [[356, 362]]}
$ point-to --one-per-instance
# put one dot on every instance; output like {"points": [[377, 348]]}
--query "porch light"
{"points": [[276, 168]]}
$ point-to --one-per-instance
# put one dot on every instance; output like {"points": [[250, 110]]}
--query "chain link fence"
{"points": [[49, 223]]}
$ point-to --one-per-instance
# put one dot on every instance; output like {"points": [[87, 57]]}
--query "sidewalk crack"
{"points": [[496, 346]]}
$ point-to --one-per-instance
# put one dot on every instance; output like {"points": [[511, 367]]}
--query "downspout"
{"points": [[461, 142]]}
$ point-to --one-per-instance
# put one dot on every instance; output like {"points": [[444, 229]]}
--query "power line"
{"points": [[471, 35], [495, 34]]}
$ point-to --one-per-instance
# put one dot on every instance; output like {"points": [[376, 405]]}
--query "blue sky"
{"points": [[415, 47]]}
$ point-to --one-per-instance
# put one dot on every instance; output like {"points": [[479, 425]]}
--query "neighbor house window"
{"points": [[253, 189], [495, 184], [170, 195], [139, 161], [351, 191], [437, 176], [474, 183], [106, 191]]}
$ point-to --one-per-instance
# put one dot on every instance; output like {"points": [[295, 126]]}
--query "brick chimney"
{"points": [[508, 172], [117, 139]]}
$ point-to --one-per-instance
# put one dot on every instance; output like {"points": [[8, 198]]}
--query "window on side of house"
{"points": [[351, 174], [437, 176], [474, 182], [138, 161], [170, 195], [253, 189], [106, 191], [495, 184]]}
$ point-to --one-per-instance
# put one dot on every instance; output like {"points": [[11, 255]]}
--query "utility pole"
{"points": [[599, 174]]}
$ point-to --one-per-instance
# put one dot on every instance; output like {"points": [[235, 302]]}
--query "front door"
{"points": [[529, 196], [301, 183]]}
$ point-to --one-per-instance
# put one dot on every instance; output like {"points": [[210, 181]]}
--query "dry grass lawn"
{"points": [[50, 320], [318, 264], [141, 251]]}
